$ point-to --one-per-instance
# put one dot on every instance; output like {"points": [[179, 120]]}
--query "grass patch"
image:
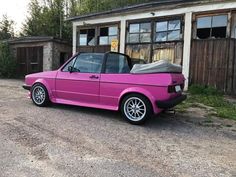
{"points": [[209, 97]]}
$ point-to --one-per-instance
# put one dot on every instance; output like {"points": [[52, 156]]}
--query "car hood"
{"points": [[46, 74]]}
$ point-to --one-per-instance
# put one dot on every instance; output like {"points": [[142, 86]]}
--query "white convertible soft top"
{"points": [[161, 66]]}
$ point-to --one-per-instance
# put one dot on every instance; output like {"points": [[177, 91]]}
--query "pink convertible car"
{"points": [[104, 81]]}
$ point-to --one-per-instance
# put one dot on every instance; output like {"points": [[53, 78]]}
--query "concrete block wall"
{"points": [[57, 49], [47, 56]]}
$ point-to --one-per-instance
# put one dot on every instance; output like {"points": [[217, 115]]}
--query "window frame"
{"points": [[167, 31], [139, 33], [66, 64], [86, 29], [195, 36], [108, 36], [76, 58], [105, 62]]}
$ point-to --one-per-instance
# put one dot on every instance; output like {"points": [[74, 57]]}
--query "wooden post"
{"points": [[74, 38], [122, 35], [187, 47]]}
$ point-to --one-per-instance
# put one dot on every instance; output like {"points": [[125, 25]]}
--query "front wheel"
{"points": [[39, 95], [136, 109]]}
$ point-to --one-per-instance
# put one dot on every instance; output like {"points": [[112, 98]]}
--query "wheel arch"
{"points": [[45, 84], [141, 92]]}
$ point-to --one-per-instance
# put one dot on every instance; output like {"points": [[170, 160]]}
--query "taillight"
{"points": [[171, 89]]}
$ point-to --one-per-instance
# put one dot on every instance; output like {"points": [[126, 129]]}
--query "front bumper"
{"points": [[171, 102], [26, 87]]}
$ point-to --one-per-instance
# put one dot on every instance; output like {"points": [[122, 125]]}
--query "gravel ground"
{"points": [[73, 141]]}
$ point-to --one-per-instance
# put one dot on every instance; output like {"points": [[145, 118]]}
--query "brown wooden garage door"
{"points": [[30, 60], [213, 63]]}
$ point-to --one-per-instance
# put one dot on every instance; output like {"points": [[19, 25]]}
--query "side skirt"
{"points": [[74, 103]]}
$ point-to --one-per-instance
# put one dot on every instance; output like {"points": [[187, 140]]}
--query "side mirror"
{"points": [[70, 69]]}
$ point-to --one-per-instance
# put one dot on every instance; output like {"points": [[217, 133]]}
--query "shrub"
{"points": [[7, 62], [204, 90]]}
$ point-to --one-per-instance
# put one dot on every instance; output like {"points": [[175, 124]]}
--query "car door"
{"points": [[114, 78], [79, 80]]}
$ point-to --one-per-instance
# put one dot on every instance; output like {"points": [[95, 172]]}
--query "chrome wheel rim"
{"points": [[135, 109], [38, 95]]}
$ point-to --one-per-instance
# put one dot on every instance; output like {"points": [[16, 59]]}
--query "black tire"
{"points": [[127, 115], [45, 102]]}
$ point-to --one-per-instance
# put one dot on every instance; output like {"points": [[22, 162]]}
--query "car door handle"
{"points": [[93, 77]]}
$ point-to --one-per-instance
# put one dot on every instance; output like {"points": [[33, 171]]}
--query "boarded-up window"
{"points": [[164, 54], [171, 52], [139, 51]]}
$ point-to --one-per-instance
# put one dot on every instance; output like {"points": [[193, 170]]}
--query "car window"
{"points": [[117, 63], [88, 63], [71, 63]]}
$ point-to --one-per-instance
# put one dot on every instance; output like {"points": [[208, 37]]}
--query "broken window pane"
{"points": [[219, 21], [212, 27], [91, 41], [173, 35], [219, 32], [83, 31], [87, 37], [91, 32], [91, 37], [104, 31], [204, 22], [161, 36], [134, 28], [174, 25], [204, 33], [145, 27], [161, 26], [134, 38], [145, 37], [113, 30], [107, 34]]}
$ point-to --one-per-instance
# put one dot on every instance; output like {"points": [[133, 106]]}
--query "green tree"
{"points": [[7, 61], [47, 17], [6, 28]]}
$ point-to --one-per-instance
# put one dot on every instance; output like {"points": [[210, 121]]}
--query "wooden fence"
{"points": [[213, 63]]}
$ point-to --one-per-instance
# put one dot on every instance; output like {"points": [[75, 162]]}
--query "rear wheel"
{"points": [[136, 108], [39, 95]]}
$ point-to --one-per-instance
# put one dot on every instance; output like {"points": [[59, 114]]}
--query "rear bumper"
{"points": [[26, 87], [171, 103]]}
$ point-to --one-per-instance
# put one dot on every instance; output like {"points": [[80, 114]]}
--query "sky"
{"points": [[16, 10]]}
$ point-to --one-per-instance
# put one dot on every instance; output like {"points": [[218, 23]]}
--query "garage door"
{"points": [[29, 60]]}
